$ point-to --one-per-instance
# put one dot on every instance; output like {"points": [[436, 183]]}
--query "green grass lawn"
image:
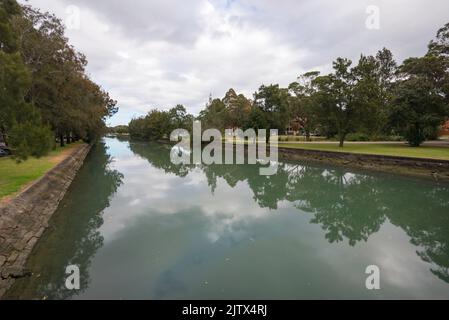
{"points": [[402, 150], [14, 176]]}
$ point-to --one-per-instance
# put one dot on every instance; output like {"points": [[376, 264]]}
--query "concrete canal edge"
{"points": [[24, 219], [430, 168], [433, 169]]}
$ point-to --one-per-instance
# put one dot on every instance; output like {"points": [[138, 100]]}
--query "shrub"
{"points": [[357, 137], [28, 139]]}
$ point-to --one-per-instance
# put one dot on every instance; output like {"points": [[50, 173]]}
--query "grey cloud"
{"points": [[161, 53], [168, 20], [329, 29]]}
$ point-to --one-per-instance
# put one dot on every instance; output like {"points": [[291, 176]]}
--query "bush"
{"points": [[388, 138], [28, 139], [357, 137]]}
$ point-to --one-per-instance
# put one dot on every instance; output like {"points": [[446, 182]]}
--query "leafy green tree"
{"points": [[44, 50], [421, 97], [180, 119], [8, 39], [20, 123], [238, 108], [422, 94], [440, 48], [73, 105], [336, 99], [257, 119], [158, 124], [303, 102], [440, 45], [137, 128], [387, 69], [230, 99], [273, 101], [214, 116], [31, 139], [120, 129], [373, 92]]}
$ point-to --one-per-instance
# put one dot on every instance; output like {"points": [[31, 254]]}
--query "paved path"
{"points": [[436, 143], [439, 143]]}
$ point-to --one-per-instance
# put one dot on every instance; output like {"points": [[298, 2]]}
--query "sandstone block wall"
{"points": [[24, 219]]}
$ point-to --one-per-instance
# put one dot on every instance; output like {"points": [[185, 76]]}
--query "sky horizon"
{"points": [[157, 54]]}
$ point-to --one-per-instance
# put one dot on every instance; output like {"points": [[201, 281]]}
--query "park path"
{"points": [[434, 143]]}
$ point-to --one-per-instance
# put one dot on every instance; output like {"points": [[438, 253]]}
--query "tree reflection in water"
{"points": [[347, 205], [72, 220]]}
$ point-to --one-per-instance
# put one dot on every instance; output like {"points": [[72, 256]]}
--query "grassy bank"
{"points": [[400, 150], [15, 176]]}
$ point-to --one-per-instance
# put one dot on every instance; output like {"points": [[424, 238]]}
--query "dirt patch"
{"points": [[64, 154]]}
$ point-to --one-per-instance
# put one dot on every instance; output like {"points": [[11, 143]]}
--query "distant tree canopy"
{"points": [[46, 92], [159, 124], [375, 98], [120, 129]]}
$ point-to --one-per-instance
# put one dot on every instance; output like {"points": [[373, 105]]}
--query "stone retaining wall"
{"points": [[419, 167], [437, 169], [24, 219]]}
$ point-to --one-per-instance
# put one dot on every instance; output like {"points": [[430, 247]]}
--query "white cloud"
{"points": [[161, 53]]}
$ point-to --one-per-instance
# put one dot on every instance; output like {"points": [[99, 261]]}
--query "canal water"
{"points": [[140, 227]]}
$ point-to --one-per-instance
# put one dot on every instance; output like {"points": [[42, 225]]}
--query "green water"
{"points": [[140, 227]]}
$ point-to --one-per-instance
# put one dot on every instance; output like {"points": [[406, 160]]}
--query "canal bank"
{"points": [[24, 218], [419, 167]]}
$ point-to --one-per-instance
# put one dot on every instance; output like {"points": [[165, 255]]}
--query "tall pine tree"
{"points": [[21, 127]]}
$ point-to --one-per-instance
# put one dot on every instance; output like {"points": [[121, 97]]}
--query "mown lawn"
{"points": [[402, 150], [14, 176]]}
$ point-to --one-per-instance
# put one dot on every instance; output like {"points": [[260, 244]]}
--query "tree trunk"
{"points": [[61, 140], [342, 140], [307, 135], [341, 129], [2, 138]]}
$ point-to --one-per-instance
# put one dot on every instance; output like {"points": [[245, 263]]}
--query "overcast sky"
{"points": [[156, 54]]}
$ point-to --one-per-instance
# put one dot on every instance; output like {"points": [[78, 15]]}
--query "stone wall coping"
{"points": [[24, 219]]}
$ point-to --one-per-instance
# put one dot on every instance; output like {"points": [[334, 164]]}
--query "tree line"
{"points": [[158, 124], [376, 98], [46, 94]]}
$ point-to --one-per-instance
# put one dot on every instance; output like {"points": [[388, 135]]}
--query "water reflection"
{"points": [[93, 188], [142, 227], [348, 206]]}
